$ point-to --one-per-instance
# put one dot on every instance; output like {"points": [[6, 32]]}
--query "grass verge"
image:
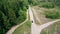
{"points": [[23, 29]]}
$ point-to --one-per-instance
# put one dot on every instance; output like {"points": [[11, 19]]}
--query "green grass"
{"points": [[43, 32], [51, 29], [26, 27]]}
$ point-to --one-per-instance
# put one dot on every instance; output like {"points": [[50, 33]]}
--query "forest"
{"points": [[12, 12]]}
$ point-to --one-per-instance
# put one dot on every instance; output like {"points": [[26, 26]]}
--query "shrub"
{"points": [[52, 14], [47, 5]]}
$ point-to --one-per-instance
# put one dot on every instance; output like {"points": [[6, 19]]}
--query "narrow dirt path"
{"points": [[15, 27]]}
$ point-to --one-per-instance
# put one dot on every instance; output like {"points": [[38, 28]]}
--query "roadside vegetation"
{"points": [[47, 5], [23, 29]]}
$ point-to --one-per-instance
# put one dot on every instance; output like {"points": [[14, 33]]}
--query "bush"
{"points": [[47, 5], [52, 14]]}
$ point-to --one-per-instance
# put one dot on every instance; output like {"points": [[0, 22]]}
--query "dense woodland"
{"points": [[13, 12]]}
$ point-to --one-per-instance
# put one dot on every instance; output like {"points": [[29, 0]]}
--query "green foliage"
{"points": [[22, 16], [12, 12], [47, 5], [28, 23], [52, 14], [26, 27], [43, 32], [56, 2], [30, 1]]}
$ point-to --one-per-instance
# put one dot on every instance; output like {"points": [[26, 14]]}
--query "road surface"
{"points": [[33, 25], [36, 29]]}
